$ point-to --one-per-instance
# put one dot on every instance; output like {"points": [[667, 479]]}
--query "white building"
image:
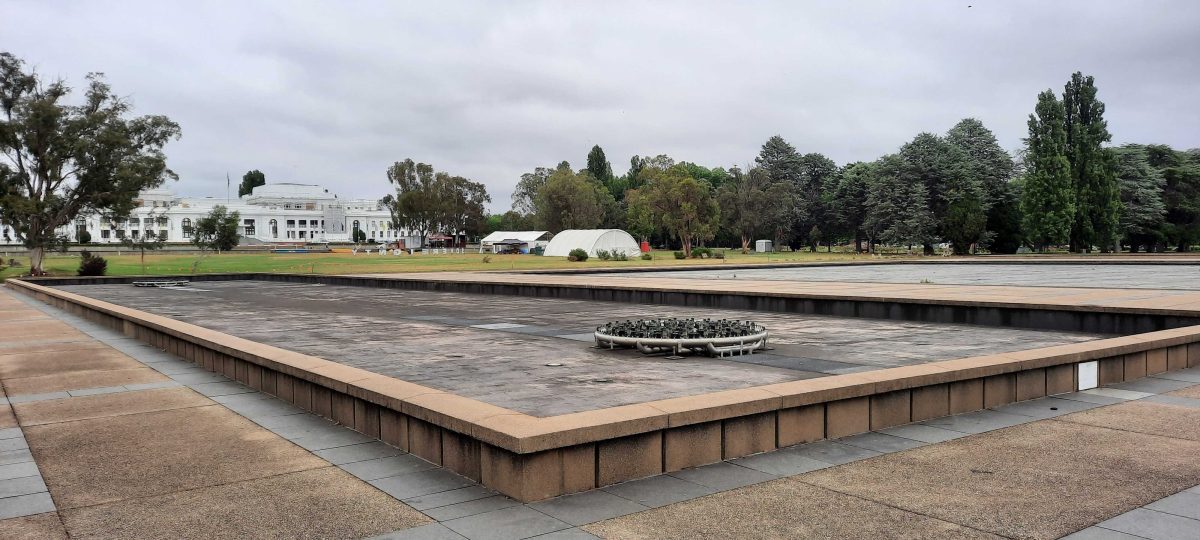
{"points": [[274, 213]]}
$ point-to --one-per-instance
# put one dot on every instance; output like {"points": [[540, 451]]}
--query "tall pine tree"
{"points": [[1093, 172], [1048, 197]]}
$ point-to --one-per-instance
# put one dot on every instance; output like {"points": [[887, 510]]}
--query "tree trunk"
{"points": [[927, 248], [36, 255], [857, 242], [745, 244], [687, 246]]}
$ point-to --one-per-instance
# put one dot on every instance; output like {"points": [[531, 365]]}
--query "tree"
{"points": [[251, 180], [62, 159], [462, 202], [527, 188], [850, 199], [993, 169], [1048, 197], [83, 237], [678, 204], [1097, 198], [216, 231], [1143, 215], [899, 208], [1180, 172], [598, 166], [149, 241], [817, 184], [753, 206], [415, 205], [571, 200], [780, 161], [942, 168]]}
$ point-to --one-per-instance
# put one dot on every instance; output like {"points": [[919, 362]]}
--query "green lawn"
{"points": [[344, 263]]}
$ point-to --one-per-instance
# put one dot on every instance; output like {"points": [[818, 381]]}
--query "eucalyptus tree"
{"points": [[61, 159]]}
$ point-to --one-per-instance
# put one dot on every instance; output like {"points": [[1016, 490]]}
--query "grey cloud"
{"points": [[332, 92]]}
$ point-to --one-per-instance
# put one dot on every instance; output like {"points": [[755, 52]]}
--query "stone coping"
{"points": [[524, 434], [1181, 259]]}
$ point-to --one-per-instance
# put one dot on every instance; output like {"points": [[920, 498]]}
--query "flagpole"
{"points": [[226, 187]]}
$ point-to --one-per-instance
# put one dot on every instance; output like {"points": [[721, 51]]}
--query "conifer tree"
{"points": [[1048, 197]]}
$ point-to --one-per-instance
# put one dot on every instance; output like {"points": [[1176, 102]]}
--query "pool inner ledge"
{"points": [[531, 458]]}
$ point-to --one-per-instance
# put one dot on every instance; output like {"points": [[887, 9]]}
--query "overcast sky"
{"points": [[331, 93]]}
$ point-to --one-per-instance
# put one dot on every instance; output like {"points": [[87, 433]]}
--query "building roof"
{"points": [[291, 191], [591, 240], [524, 236]]}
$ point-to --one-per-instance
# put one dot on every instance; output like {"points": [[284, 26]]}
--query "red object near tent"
{"points": [[645, 246]]}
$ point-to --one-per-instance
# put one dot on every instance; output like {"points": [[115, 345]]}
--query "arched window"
{"points": [[186, 224], [274, 224]]}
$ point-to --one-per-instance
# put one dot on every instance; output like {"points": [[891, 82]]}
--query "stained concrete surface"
{"points": [[318, 503], [101, 460], [84, 408], [495, 348], [780, 509], [1142, 276], [85, 379], [1014, 482], [46, 526]]}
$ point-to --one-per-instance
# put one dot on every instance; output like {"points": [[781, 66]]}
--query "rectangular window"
{"points": [[291, 223], [134, 234], [303, 223], [162, 235], [302, 234], [250, 230], [104, 234], [120, 233]]}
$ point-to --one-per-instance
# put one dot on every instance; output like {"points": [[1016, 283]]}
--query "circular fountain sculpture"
{"points": [[713, 337]]}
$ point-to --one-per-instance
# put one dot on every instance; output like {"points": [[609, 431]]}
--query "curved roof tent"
{"points": [[523, 236], [590, 240]]}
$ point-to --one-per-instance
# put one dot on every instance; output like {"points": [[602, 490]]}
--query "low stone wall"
{"points": [[1092, 319], [530, 458]]}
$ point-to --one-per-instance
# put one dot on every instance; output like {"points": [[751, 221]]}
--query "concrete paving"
{"points": [[496, 348], [1142, 276], [141, 461], [778, 494]]}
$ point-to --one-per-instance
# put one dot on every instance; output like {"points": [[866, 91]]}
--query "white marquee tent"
{"points": [[591, 240], [520, 240]]}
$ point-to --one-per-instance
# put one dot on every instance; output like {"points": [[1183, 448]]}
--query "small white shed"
{"points": [[591, 240], [764, 246]]}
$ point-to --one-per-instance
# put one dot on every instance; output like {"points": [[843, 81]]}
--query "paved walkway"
{"points": [[114, 438]]}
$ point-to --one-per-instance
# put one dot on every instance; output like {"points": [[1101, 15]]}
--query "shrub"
{"points": [[84, 236], [701, 253], [647, 257], [604, 254], [680, 255], [577, 255], [91, 265], [620, 256]]}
